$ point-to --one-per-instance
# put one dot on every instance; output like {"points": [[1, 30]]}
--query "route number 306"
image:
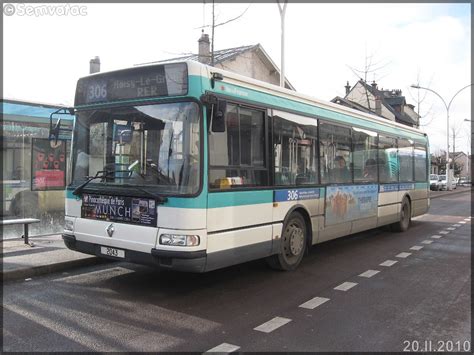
{"points": [[96, 92], [292, 195]]}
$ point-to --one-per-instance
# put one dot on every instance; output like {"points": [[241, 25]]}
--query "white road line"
{"points": [[436, 236], [444, 232], [313, 303], [272, 324], [451, 229], [403, 255], [345, 286], [416, 247], [369, 273], [427, 241], [456, 225], [462, 222], [224, 348], [389, 263], [467, 219]]}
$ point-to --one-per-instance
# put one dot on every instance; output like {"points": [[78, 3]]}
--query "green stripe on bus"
{"points": [[243, 93], [239, 198]]}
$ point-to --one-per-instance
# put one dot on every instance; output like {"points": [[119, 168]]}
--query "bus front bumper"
{"points": [[163, 259]]}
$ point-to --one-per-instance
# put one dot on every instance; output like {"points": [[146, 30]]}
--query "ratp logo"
{"points": [[44, 10]]}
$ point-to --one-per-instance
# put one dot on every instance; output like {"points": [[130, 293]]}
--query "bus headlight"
{"points": [[179, 240], [69, 225]]}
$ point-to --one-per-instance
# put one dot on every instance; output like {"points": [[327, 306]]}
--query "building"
{"points": [[462, 163], [389, 104], [251, 61]]}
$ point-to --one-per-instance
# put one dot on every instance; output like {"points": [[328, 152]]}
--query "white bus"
{"points": [[188, 167]]}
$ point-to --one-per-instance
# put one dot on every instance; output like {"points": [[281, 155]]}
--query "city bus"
{"points": [[188, 167]]}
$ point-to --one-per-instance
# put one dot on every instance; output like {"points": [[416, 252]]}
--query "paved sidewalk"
{"points": [[50, 255]]}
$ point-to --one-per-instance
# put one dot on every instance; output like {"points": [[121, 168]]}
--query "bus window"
{"points": [[405, 157], [420, 163], [335, 153], [237, 155], [295, 149], [364, 155], [387, 159]]}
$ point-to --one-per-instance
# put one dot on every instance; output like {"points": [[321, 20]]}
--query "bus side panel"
{"points": [[420, 199], [389, 207], [238, 246], [239, 225]]}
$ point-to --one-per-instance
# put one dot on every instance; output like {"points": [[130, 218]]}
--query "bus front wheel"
{"points": [[292, 244], [405, 217]]}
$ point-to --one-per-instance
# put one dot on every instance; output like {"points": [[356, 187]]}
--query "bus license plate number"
{"points": [[118, 253]]}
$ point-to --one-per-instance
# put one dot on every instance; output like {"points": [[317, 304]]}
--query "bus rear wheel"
{"points": [[292, 244], [405, 217]]}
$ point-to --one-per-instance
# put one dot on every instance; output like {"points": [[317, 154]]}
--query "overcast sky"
{"points": [[427, 43]]}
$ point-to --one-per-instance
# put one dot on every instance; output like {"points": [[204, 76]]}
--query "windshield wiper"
{"points": [[99, 175], [159, 199]]}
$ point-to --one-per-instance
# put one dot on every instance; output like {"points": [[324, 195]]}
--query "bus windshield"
{"points": [[156, 146]]}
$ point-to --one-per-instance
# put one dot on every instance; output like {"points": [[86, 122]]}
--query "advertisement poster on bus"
{"points": [[48, 164], [348, 203], [123, 209]]}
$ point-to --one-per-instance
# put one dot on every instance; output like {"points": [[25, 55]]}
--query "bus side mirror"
{"points": [[218, 118]]}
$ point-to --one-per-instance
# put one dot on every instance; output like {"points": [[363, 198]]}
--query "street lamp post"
{"points": [[447, 106], [282, 17]]}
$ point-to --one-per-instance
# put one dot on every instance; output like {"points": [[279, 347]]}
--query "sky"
{"points": [[326, 45]]}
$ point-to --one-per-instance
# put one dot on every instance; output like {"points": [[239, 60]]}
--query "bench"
{"points": [[25, 221]]}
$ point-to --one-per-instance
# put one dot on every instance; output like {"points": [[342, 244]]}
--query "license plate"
{"points": [[118, 253]]}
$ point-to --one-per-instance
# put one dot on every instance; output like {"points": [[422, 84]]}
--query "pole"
{"points": [[447, 106], [282, 18]]}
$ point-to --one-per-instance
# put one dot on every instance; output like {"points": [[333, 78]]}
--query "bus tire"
{"points": [[405, 217], [292, 244]]}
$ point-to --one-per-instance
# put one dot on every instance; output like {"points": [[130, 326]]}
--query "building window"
{"points": [[295, 149], [237, 155], [335, 153]]}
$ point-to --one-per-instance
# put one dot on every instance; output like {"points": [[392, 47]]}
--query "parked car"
{"points": [[464, 181], [434, 182], [443, 183]]}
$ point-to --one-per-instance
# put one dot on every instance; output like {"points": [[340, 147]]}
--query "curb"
{"points": [[451, 193], [51, 268]]}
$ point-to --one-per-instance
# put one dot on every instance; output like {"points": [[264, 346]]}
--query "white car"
{"points": [[434, 182], [443, 183]]}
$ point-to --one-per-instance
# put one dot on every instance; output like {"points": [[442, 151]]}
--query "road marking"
{"points": [[456, 225], [451, 229], [313, 303], [462, 222], [272, 324], [427, 241], [436, 236], [345, 286], [389, 263], [467, 219], [369, 273], [403, 255], [444, 232], [224, 348], [28, 279], [416, 247]]}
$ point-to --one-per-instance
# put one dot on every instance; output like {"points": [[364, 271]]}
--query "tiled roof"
{"points": [[219, 56]]}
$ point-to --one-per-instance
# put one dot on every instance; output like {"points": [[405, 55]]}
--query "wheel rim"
{"points": [[293, 241], [405, 215]]}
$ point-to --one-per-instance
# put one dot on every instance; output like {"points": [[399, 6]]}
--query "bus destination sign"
{"points": [[135, 83], [123, 209]]}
